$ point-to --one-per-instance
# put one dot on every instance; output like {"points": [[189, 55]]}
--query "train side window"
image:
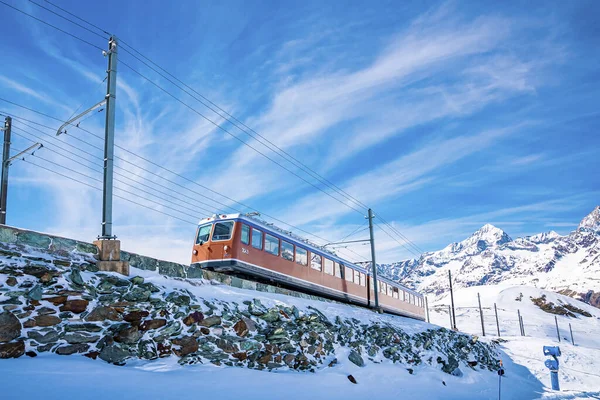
{"points": [[382, 287], [390, 290], [328, 266], [301, 256], [395, 294], [337, 267], [349, 274], [287, 250], [356, 277], [222, 231], [203, 233], [271, 244], [363, 279], [245, 238], [257, 239], [315, 261]]}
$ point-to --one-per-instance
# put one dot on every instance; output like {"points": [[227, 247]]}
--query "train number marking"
{"points": [[245, 251]]}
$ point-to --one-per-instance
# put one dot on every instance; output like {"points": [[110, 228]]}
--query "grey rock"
{"points": [[35, 293], [146, 350], [102, 313], [75, 277], [271, 316], [178, 299], [72, 349], [114, 354], [129, 335], [210, 321], [137, 280], [50, 337], [34, 239], [12, 350], [138, 294], [85, 327], [10, 327], [77, 337], [356, 358]]}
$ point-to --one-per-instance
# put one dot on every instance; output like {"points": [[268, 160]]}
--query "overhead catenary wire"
{"points": [[230, 117], [50, 25]]}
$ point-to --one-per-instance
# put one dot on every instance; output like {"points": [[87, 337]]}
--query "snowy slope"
{"points": [[570, 263], [579, 363]]}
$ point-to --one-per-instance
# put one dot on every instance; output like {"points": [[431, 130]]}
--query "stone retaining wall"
{"points": [[62, 248]]}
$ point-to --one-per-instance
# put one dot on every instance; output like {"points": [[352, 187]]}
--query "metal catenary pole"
{"points": [[109, 140], [522, 326], [571, 330], [427, 308], [481, 314], [497, 324], [520, 322], [450, 315], [5, 156], [557, 332], [373, 263], [452, 302]]}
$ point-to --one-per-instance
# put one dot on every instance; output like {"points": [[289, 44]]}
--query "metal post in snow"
{"points": [[522, 326], [497, 324], [557, 332], [109, 140], [373, 263], [520, 322], [452, 301], [571, 330], [450, 315], [5, 165], [481, 314], [427, 308]]}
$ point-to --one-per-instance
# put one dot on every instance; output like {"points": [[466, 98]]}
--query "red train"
{"points": [[247, 246]]}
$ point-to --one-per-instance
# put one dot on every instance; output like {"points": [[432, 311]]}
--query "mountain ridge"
{"points": [[567, 264]]}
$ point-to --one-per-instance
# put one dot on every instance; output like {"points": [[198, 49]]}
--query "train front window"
{"points": [[203, 233], [271, 244], [222, 230]]}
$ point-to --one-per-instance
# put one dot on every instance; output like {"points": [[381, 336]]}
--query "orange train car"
{"points": [[246, 246]]}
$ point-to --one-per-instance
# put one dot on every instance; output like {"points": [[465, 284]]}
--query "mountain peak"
{"points": [[491, 234], [591, 221]]}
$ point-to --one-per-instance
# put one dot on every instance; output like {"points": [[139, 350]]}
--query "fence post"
{"points": [[497, 324], [520, 322], [481, 314], [557, 332], [571, 330]]}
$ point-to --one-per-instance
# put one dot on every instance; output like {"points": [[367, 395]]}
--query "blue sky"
{"points": [[442, 116]]}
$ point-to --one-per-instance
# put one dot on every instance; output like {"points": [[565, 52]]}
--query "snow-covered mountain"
{"points": [[568, 264]]}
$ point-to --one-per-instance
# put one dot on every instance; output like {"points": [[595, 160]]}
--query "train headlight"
{"points": [[226, 248], [195, 252]]}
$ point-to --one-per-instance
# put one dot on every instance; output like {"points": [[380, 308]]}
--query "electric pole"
{"points": [[452, 301], [5, 156], [373, 263], [109, 140]]}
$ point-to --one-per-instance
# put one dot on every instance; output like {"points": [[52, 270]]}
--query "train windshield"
{"points": [[203, 233], [223, 230]]}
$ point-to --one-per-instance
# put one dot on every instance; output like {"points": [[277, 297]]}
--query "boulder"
{"points": [[10, 327], [356, 358], [12, 350], [50, 337], [188, 344], [72, 349], [57, 300], [78, 337], [75, 277], [193, 318], [45, 320], [103, 313], [129, 335], [11, 281], [114, 354], [153, 324], [35, 293], [211, 321], [136, 316], [178, 299], [138, 294], [75, 306], [86, 327]]}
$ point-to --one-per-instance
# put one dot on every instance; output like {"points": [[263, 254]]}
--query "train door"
{"points": [[202, 244], [220, 243]]}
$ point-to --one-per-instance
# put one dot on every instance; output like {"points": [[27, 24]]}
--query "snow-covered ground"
{"points": [[579, 363], [50, 376]]}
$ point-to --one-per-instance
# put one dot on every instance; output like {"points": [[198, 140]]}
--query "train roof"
{"points": [[253, 219]]}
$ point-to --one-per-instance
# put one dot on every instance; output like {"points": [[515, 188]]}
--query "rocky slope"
{"points": [[568, 264], [63, 305]]}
